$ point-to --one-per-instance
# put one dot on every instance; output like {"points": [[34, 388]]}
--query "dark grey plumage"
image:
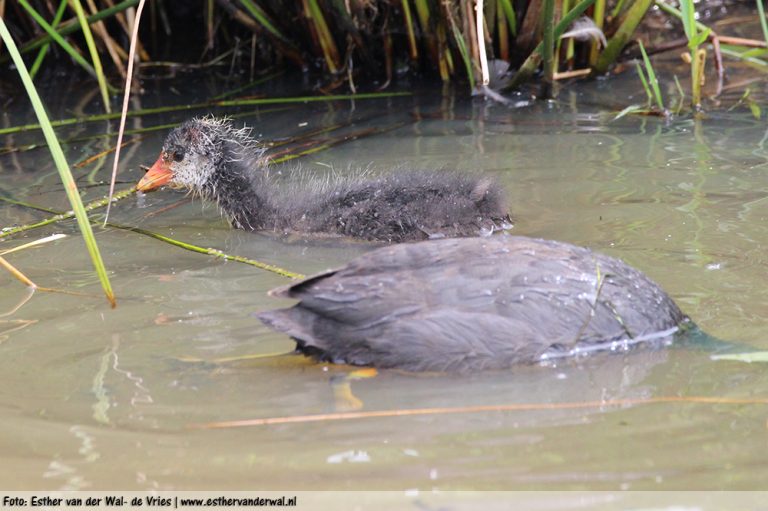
{"points": [[469, 304], [222, 164]]}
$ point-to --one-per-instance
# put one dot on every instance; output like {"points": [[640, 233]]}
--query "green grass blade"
{"points": [[654, 82], [260, 16], [408, 17], [509, 13], [644, 81], [69, 27], [611, 52], [617, 8], [681, 93], [59, 40], [464, 51], [44, 50], [689, 18], [94, 53], [533, 60], [327, 44], [676, 13], [548, 43], [598, 16], [763, 24], [61, 163], [631, 109], [744, 57]]}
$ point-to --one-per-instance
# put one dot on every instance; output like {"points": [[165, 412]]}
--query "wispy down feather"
{"points": [[583, 29]]}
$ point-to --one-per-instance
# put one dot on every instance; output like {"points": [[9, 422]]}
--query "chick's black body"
{"points": [[469, 304], [222, 164]]}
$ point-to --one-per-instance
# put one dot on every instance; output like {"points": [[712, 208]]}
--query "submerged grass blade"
{"points": [[61, 164]]}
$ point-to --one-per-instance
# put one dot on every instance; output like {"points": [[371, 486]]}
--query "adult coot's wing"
{"points": [[470, 303]]}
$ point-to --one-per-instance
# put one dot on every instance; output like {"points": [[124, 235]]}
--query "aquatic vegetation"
{"points": [[61, 164], [368, 43]]}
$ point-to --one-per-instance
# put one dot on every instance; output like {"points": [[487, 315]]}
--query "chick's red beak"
{"points": [[157, 176]]}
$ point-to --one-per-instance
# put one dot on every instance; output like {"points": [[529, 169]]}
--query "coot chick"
{"points": [[220, 163], [475, 303]]}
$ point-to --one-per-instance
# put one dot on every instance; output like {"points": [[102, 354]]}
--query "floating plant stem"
{"points": [[211, 252], [58, 216], [187, 246], [209, 104]]}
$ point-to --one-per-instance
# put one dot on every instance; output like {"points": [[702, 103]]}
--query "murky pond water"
{"points": [[94, 398]]}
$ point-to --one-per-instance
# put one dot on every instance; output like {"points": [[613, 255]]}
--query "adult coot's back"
{"points": [[476, 303]]}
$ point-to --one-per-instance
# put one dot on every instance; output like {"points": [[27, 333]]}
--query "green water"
{"points": [[94, 398]]}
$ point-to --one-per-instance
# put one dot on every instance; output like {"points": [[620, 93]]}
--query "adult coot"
{"points": [[220, 163], [475, 303]]}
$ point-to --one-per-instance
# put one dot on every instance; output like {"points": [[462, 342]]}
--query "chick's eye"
{"points": [[178, 156]]}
